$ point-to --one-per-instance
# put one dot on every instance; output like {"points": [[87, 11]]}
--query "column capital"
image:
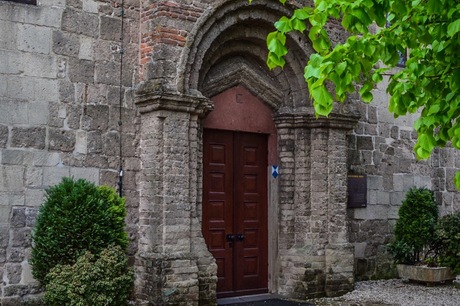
{"points": [[310, 121], [153, 101]]}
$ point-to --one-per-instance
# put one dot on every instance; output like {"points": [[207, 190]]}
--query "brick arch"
{"points": [[235, 29]]}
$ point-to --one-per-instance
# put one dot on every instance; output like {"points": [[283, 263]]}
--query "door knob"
{"points": [[230, 237], [240, 237]]}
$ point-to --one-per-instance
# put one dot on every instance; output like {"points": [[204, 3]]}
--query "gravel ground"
{"points": [[397, 293]]}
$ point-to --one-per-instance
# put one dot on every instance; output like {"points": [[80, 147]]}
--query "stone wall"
{"points": [[381, 147], [59, 116], [59, 113]]}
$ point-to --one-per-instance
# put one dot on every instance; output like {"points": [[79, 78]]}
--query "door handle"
{"points": [[230, 237], [240, 237]]}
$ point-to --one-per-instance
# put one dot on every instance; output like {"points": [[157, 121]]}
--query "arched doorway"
{"points": [[239, 143]]}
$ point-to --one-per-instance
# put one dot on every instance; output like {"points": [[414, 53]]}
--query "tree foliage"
{"points": [[429, 83]]}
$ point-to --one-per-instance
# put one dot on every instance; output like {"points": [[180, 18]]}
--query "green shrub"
{"points": [[448, 233], [104, 279], [76, 217], [415, 238]]}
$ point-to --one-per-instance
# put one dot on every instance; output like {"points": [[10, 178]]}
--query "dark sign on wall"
{"points": [[357, 190]]}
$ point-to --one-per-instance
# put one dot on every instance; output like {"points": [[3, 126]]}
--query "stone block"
{"points": [[96, 118], [49, 17], [38, 113], [81, 142], [13, 273], [34, 39], [90, 174], [397, 197], [66, 91], [21, 237], [66, 43], [107, 72], [4, 236], [374, 182], [360, 248], [8, 38], [364, 143], [94, 142], [111, 141], [74, 113], [39, 65], [28, 137], [81, 71], [10, 62], [110, 28], [53, 175], [46, 90], [31, 216], [80, 22], [5, 211], [383, 197], [61, 140], [15, 255], [33, 177], [20, 87], [86, 48], [46, 159], [18, 217], [34, 197], [16, 157], [11, 178]]}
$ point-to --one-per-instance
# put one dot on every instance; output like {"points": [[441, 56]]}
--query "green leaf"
{"points": [[303, 13], [453, 28], [275, 43], [322, 100], [283, 25], [341, 68], [298, 25], [311, 71]]}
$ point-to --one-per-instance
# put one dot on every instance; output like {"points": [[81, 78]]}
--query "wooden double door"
{"points": [[235, 209]]}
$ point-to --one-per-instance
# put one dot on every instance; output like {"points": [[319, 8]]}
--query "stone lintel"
{"points": [[310, 121], [150, 102]]}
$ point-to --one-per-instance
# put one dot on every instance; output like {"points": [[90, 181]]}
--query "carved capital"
{"points": [[309, 121], [154, 101]]}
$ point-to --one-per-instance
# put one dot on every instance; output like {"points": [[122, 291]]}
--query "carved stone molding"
{"points": [[149, 102]]}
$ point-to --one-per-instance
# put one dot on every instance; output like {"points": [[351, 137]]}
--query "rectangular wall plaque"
{"points": [[357, 190]]}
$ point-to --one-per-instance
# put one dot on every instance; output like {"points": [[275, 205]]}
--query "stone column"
{"points": [[320, 259], [173, 263]]}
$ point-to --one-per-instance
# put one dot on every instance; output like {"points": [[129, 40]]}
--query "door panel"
{"points": [[218, 184], [235, 203]]}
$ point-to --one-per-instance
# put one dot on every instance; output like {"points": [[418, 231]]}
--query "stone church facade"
{"points": [[178, 92]]}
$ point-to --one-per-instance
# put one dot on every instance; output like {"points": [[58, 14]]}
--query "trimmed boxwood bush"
{"points": [[103, 279], [415, 238], [448, 233], [76, 217]]}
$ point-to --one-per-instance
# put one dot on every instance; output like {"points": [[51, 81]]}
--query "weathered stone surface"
{"points": [[13, 273], [66, 43], [80, 22], [22, 237], [81, 71], [61, 140], [28, 137], [95, 118], [34, 39]]}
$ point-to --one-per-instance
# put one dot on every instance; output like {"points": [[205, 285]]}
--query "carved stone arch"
{"points": [[235, 29], [241, 72]]}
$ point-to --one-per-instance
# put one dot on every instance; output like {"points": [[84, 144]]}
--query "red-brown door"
{"points": [[235, 209]]}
